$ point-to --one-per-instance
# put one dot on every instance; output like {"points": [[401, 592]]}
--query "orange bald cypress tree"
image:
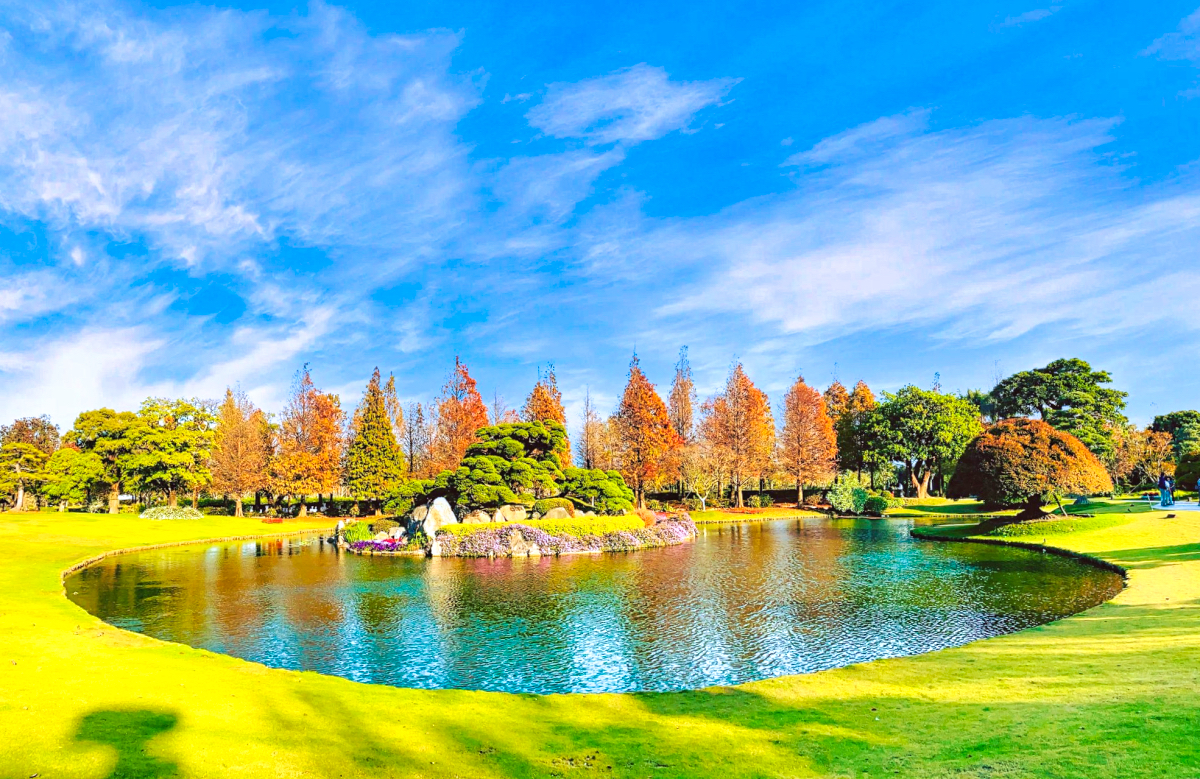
{"points": [[644, 432], [740, 426], [460, 413], [807, 444], [310, 442]]}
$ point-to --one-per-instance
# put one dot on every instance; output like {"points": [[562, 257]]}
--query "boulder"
{"points": [[419, 512], [511, 513], [435, 548], [558, 512], [440, 514], [518, 546], [381, 536], [477, 516], [589, 513], [397, 532]]}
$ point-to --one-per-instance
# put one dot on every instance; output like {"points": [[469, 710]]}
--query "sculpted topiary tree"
{"points": [[1018, 462]]}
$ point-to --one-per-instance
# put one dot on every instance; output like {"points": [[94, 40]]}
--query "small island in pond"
{"points": [[510, 496]]}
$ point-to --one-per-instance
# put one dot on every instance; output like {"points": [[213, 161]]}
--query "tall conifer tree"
{"points": [[374, 463]]}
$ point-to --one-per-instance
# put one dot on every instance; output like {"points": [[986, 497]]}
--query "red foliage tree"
{"points": [[460, 413], [644, 432], [1018, 461]]}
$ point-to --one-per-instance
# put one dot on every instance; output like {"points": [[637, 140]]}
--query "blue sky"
{"points": [[193, 197]]}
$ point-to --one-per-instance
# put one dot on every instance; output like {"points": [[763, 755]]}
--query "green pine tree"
{"points": [[374, 463]]}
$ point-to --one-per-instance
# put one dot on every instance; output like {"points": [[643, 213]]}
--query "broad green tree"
{"points": [[1182, 426], [1070, 396], [20, 469], [172, 445], [71, 476], [925, 430], [374, 463], [110, 435]]}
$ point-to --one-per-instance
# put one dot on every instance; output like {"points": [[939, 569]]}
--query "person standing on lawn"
{"points": [[1162, 489]]}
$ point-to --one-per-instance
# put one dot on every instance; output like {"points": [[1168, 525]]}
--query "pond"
{"points": [[744, 602]]}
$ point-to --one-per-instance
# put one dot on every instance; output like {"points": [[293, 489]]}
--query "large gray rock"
{"points": [[476, 517], [418, 514], [440, 514], [558, 512], [511, 513], [519, 547]]}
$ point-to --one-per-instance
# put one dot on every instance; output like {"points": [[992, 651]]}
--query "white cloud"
{"points": [[979, 234], [637, 104], [1035, 15], [1183, 44]]}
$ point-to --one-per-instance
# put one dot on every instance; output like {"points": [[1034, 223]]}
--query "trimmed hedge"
{"points": [[544, 505], [577, 528]]}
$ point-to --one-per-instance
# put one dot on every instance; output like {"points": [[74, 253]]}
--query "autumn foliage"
{"points": [[309, 451], [460, 413], [807, 445], [740, 428], [644, 432], [239, 457], [1017, 461]]}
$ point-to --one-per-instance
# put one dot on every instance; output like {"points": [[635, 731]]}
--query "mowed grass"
{"points": [[1109, 693], [750, 515]]}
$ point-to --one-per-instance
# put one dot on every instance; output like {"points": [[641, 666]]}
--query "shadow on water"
{"points": [[129, 732]]}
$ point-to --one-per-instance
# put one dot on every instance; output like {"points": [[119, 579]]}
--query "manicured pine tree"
{"points": [[544, 404], [374, 463], [109, 434], [20, 467]]}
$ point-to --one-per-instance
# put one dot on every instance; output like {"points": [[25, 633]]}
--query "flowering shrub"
{"points": [[496, 540], [171, 512], [578, 527]]}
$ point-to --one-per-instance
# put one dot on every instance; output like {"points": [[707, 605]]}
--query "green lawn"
{"points": [[1109, 693], [751, 515]]}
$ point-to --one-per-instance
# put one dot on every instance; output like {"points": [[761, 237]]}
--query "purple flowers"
{"points": [[498, 541]]}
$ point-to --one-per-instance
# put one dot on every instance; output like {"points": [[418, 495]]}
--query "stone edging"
{"points": [[149, 547], [1086, 559]]}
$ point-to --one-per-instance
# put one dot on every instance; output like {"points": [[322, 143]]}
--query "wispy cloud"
{"points": [[1028, 17], [640, 103], [1183, 44]]}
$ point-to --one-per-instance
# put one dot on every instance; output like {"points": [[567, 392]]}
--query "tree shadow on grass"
{"points": [[129, 732], [1156, 556]]}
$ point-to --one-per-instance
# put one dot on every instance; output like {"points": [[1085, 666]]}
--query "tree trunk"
{"points": [[196, 498], [799, 493], [922, 484], [303, 512], [62, 506], [114, 498], [237, 506], [20, 496], [172, 498]]}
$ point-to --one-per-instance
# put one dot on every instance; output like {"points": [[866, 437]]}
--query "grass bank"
{"points": [[1109, 693], [750, 515]]}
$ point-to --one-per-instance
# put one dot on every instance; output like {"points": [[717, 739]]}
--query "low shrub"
{"points": [[543, 506], [888, 494], [875, 505], [171, 512], [654, 505], [384, 525], [580, 527], [693, 504], [848, 496], [812, 500], [647, 517]]}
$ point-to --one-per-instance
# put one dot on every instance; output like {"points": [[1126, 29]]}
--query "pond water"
{"points": [[743, 602]]}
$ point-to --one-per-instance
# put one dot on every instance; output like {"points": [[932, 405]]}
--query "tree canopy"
{"points": [[807, 443], [71, 476], [374, 463], [110, 435], [644, 431], [1070, 396], [171, 444], [925, 430], [1020, 461]]}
